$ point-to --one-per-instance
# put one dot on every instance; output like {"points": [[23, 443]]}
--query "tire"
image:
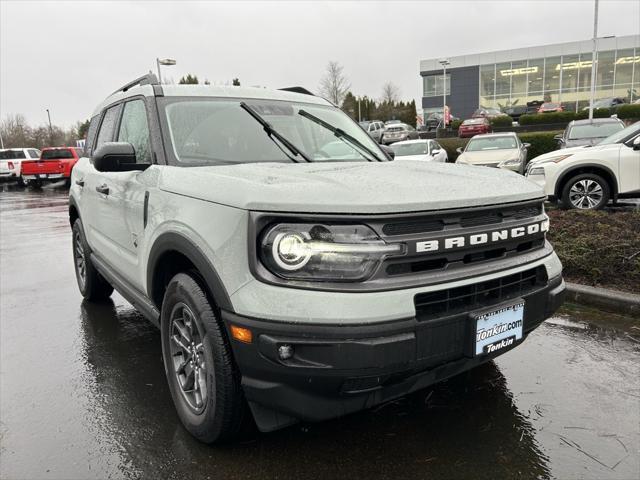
{"points": [[213, 408], [586, 191], [22, 182], [91, 284]]}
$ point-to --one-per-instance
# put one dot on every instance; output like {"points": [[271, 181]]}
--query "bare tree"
{"points": [[390, 93], [334, 85]]}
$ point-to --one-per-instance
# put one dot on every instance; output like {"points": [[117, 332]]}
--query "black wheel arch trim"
{"points": [[566, 175], [171, 241], [73, 204]]}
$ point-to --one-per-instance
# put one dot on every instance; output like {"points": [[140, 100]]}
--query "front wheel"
{"points": [[203, 379], [587, 191]]}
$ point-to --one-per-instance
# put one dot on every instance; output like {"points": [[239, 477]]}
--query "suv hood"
{"points": [[348, 187], [572, 151]]}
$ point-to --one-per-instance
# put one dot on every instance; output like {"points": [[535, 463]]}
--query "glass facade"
{"points": [[565, 79], [432, 85]]}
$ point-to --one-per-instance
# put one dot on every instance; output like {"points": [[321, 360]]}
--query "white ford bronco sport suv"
{"points": [[294, 270]]}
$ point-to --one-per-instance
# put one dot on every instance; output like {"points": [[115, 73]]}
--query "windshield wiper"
{"points": [[341, 134], [271, 132]]}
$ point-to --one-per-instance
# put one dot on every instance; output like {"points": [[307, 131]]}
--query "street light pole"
{"points": [[50, 129], [444, 62], [594, 60], [164, 61]]}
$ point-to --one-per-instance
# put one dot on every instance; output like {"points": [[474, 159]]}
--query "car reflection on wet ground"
{"points": [[83, 393]]}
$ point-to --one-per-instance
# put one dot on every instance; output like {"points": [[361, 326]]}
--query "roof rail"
{"points": [[297, 90], [147, 79]]}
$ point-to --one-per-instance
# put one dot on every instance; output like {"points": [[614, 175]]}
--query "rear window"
{"points": [[550, 105], [473, 121], [58, 153], [395, 129], [595, 130], [12, 154], [407, 149]]}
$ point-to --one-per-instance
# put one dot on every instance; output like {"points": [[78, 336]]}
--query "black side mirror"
{"points": [[389, 151], [526, 145], [435, 152], [558, 138], [116, 157], [459, 150], [636, 143]]}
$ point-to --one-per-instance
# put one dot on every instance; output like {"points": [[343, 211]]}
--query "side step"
{"points": [[124, 288]]}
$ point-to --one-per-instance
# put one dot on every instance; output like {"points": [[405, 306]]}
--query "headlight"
{"points": [[319, 252], [536, 171], [555, 159], [511, 161]]}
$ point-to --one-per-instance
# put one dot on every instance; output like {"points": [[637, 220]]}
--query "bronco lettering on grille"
{"points": [[495, 236]]}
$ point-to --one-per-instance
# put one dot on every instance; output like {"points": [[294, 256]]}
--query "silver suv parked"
{"points": [[292, 279]]}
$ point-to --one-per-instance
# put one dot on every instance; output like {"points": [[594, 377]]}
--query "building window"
{"points": [[432, 85]]}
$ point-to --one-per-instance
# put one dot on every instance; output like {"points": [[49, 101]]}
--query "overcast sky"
{"points": [[67, 56]]}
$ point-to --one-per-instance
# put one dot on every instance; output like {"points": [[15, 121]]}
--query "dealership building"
{"points": [[553, 73]]}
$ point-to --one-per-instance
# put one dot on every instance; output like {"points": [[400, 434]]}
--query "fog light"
{"points": [[285, 352]]}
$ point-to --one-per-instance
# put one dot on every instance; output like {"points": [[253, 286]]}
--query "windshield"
{"points": [[12, 154], [405, 149], [594, 130], [622, 135], [603, 103], [55, 154], [550, 105], [491, 143], [212, 131]]}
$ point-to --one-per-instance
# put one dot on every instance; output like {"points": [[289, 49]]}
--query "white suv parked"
{"points": [[588, 177], [291, 267]]}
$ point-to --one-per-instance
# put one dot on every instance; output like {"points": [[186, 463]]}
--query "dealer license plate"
{"points": [[499, 329]]}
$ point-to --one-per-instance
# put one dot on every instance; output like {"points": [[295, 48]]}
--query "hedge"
{"points": [[598, 248], [597, 113], [544, 118], [455, 124], [629, 112], [501, 121], [624, 112], [541, 142]]}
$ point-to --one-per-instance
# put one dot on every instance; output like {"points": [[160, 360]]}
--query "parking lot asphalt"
{"points": [[83, 392]]}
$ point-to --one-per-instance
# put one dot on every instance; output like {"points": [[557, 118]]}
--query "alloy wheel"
{"points": [[586, 194], [187, 354], [81, 261]]}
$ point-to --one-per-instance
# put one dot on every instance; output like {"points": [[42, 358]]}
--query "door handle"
{"points": [[103, 189], [80, 183]]}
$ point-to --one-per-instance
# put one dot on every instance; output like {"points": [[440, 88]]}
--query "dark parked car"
{"points": [[397, 132], [516, 111], [474, 126], [588, 132], [483, 112], [611, 102], [434, 121]]}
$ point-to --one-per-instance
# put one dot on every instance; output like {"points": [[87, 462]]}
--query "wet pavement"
{"points": [[83, 393]]}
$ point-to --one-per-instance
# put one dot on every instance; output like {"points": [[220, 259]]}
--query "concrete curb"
{"points": [[611, 300]]}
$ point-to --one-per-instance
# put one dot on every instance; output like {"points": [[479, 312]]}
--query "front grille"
{"points": [[443, 303], [484, 216]]}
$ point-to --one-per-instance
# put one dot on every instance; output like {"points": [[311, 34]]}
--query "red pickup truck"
{"points": [[54, 164]]}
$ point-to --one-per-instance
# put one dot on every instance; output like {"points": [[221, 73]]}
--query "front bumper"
{"points": [[339, 369]]}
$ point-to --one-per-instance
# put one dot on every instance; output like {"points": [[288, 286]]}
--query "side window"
{"points": [[33, 153], [135, 129], [91, 134], [108, 126]]}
